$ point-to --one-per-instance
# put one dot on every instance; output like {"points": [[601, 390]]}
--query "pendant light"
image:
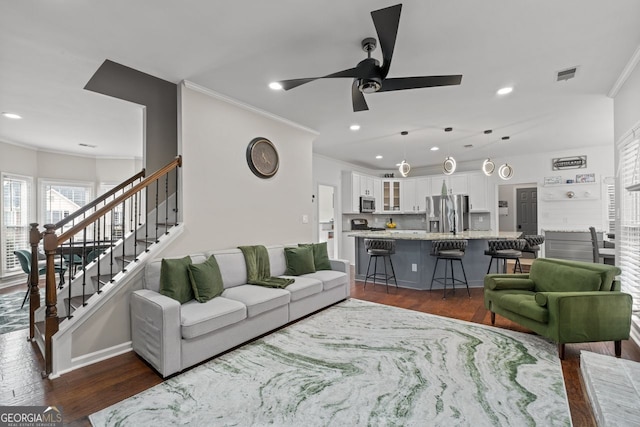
{"points": [[488, 167], [449, 164], [404, 166], [505, 172]]}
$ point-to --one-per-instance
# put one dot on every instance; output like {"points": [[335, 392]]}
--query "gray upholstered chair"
{"points": [[601, 254]]}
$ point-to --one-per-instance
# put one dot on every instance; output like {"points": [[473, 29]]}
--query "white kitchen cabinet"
{"points": [[367, 186], [377, 193], [477, 184], [456, 184], [391, 195], [414, 193]]}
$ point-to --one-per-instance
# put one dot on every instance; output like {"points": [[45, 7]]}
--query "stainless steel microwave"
{"points": [[367, 204]]}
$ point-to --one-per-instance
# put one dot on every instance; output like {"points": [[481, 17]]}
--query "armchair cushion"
{"points": [[553, 277], [495, 282], [525, 305]]}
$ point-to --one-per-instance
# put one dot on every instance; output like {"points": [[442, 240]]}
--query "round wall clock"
{"points": [[262, 157]]}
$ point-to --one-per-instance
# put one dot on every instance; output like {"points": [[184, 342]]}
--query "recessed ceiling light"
{"points": [[378, 157], [468, 145], [82, 144], [435, 148], [504, 90], [11, 116], [275, 86], [505, 138], [449, 129], [354, 127]]}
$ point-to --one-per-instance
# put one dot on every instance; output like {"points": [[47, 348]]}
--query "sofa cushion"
{"points": [[174, 279], [201, 318], [303, 287], [525, 305], [502, 283], [152, 271], [206, 280], [320, 255], [299, 261], [553, 277], [233, 268], [258, 299], [330, 278]]}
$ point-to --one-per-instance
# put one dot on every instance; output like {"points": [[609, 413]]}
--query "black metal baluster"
{"points": [[70, 255], [166, 203], [131, 217], [157, 213], [84, 276], [97, 251], [135, 231], [146, 218], [124, 210], [176, 208], [112, 244]]}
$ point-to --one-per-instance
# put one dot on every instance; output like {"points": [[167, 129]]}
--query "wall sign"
{"points": [[576, 162]]}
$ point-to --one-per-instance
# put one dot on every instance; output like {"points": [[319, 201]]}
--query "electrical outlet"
{"points": [[305, 219], [414, 267], [481, 219]]}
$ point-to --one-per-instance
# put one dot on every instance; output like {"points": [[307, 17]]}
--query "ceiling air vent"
{"points": [[567, 74]]}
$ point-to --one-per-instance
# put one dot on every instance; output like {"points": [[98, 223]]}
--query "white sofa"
{"points": [[173, 336]]}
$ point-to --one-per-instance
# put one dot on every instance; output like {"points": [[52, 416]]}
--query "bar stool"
{"points": [[377, 248], [505, 250], [449, 251], [533, 244]]}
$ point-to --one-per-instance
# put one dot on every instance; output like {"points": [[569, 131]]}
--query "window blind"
{"points": [[16, 212], [628, 235]]}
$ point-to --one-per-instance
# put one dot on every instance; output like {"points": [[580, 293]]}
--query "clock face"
{"points": [[262, 158]]}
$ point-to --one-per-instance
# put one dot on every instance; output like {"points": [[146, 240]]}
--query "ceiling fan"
{"points": [[369, 76]]}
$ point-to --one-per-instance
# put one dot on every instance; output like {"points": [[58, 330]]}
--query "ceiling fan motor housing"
{"points": [[370, 68]]}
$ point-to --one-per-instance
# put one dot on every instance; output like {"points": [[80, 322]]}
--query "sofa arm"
{"points": [[340, 265], [509, 281], [155, 330], [588, 316]]}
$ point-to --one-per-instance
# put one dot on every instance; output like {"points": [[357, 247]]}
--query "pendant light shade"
{"points": [[449, 165], [488, 167], [404, 169], [505, 172]]}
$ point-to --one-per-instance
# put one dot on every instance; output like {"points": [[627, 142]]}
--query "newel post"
{"points": [[34, 277], [51, 296]]}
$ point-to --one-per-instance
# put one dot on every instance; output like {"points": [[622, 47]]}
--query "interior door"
{"points": [[527, 210]]}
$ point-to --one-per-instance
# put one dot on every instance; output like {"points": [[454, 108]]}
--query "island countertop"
{"points": [[418, 235]]}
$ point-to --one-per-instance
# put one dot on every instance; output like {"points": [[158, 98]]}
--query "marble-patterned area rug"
{"points": [[12, 317], [361, 363]]}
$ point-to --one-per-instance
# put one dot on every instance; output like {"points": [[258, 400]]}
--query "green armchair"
{"points": [[565, 301]]}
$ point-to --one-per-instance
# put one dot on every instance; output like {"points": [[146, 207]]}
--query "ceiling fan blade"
{"points": [[403, 83], [386, 22], [351, 72], [359, 103]]}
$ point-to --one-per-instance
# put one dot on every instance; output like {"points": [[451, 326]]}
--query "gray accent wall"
{"points": [[160, 99]]}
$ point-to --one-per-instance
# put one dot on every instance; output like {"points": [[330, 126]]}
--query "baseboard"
{"points": [[97, 356]]}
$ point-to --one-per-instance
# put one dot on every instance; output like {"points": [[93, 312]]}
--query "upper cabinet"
{"points": [[414, 194], [477, 185], [456, 184], [390, 195]]}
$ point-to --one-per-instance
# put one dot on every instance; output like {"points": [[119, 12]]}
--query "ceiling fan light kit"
{"points": [[369, 76]]}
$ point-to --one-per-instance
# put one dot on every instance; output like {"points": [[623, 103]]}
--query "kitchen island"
{"points": [[413, 264]]}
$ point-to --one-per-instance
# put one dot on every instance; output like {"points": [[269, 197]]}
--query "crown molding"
{"points": [[232, 101], [626, 72], [66, 153]]}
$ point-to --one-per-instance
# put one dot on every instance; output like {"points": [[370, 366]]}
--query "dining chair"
{"points": [[24, 257], [601, 254]]}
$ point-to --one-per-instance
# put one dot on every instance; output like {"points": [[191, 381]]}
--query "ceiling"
{"points": [[50, 49]]}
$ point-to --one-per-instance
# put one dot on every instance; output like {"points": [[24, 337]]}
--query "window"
{"points": [[60, 199], [16, 215], [628, 235]]}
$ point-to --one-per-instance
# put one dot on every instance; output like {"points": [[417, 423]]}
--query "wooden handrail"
{"points": [[99, 200], [177, 162]]}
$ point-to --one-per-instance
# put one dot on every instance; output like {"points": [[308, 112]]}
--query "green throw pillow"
{"points": [[320, 255], [299, 261], [174, 279], [206, 280]]}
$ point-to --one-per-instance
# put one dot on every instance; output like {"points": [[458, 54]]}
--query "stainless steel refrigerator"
{"points": [[448, 214]]}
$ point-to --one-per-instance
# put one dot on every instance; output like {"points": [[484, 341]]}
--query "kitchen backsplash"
{"points": [[477, 221]]}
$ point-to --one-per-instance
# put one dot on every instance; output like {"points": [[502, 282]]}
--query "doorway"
{"points": [[326, 218], [527, 210]]}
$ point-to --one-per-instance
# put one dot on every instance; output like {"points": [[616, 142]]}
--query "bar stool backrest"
{"points": [[448, 245], [500, 245], [533, 241], [379, 245]]}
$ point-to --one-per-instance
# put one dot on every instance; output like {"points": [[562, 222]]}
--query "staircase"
{"points": [[103, 248]]}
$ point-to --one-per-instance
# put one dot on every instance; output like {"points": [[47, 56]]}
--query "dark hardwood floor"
{"points": [[87, 390]]}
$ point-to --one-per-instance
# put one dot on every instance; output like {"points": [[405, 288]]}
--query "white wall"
{"points": [[563, 214], [224, 204]]}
